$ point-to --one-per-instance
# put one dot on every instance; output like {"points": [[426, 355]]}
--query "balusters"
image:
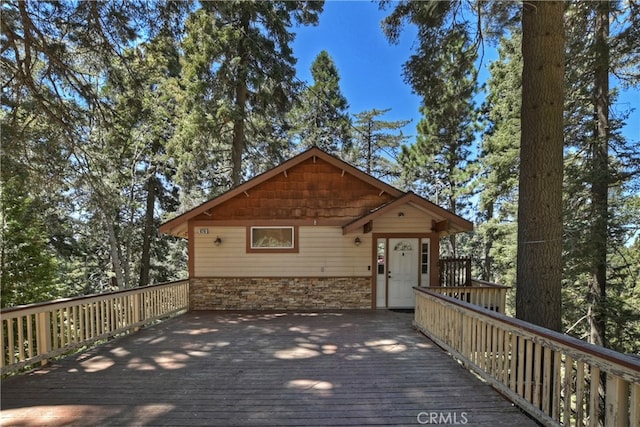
{"points": [[39, 331]]}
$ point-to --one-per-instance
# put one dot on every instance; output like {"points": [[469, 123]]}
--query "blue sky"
{"points": [[371, 68]]}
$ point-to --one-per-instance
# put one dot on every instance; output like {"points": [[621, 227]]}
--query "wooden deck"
{"points": [[216, 368]]}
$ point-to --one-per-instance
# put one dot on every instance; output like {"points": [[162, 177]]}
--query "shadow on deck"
{"points": [[249, 368]]}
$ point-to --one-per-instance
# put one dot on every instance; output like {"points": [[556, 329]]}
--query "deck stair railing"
{"points": [[559, 380], [37, 332], [455, 271]]}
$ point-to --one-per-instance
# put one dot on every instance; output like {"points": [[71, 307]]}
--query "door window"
{"points": [[381, 255], [403, 246]]}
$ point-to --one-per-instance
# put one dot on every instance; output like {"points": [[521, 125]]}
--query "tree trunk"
{"points": [[369, 146], [114, 250], [3, 239], [539, 263], [149, 230], [453, 209], [600, 178], [237, 147], [488, 245]]}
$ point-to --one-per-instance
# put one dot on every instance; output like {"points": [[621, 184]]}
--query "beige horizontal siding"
{"points": [[413, 220], [323, 251]]}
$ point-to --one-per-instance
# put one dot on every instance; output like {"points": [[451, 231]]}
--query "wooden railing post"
{"points": [[634, 405], [467, 266], [43, 334], [137, 307], [616, 402]]}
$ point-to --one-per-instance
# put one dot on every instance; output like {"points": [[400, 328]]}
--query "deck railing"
{"points": [[34, 333], [557, 379], [455, 271], [484, 294]]}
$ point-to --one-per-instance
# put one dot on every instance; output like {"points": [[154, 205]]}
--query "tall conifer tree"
{"points": [[320, 116], [239, 77], [599, 164], [377, 143], [499, 163], [443, 73]]}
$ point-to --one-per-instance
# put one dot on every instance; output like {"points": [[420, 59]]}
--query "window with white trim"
{"points": [[425, 257]]}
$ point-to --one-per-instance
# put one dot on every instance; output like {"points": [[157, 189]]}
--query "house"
{"points": [[314, 232]]}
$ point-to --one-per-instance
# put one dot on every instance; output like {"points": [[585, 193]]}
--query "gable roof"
{"points": [[311, 153], [447, 221]]}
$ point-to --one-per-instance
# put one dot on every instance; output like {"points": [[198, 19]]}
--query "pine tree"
{"points": [[28, 266], [146, 118], [320, 116], [57, 51], [598, 160], [499, 163], [57, 57], [239, 80], [440, 160], [377, 143]]}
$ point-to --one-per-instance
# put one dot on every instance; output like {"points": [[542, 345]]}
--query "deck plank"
{"points": [[349, 368]]}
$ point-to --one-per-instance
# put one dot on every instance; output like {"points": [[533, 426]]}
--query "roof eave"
{"points": [[458, 224]]}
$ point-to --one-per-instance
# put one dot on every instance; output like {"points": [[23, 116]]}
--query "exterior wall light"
{"points": [[357, 241], [218, 241]]}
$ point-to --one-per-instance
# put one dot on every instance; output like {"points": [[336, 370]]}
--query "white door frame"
{"points": [[380, 276]]}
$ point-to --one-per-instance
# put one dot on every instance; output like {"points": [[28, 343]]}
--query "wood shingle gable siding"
{"points": [[312, 188], [308, 184], [309, 192]]}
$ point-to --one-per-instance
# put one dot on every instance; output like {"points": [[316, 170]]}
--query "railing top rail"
{"points": [[39, 305], [489, 284], [621, 359], [464, 288]]}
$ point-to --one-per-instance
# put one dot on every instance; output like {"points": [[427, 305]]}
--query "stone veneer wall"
{"points": [[269, 293]]}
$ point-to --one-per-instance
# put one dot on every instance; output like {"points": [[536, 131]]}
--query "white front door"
{"points": [[404, 259]]}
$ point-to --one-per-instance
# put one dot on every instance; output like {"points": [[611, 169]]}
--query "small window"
{"points": [[272, 239], [381, 252], [425, 258]]}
